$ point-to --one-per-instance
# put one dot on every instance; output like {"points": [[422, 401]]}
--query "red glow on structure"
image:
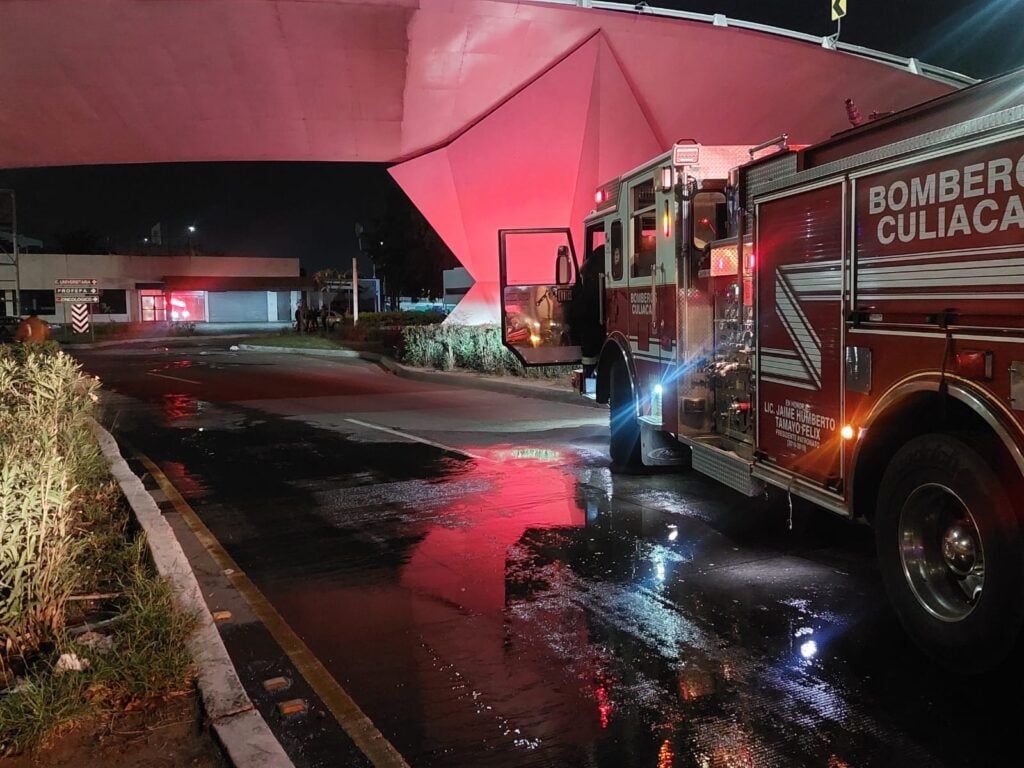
{"points": [[471, 90]]}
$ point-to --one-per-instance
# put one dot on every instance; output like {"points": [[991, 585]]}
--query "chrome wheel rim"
{"points": [[941, 552]]}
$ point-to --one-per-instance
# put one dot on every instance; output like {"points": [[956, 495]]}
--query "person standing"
{"points": [[298, 318]]}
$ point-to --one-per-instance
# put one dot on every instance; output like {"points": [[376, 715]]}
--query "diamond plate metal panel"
{"points": [[726, 468]]}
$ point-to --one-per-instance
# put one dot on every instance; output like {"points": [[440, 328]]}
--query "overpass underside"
{"points": [[498, 114]]}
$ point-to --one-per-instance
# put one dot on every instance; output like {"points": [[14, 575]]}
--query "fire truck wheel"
{"points": [[949, 549], [624, 428]]}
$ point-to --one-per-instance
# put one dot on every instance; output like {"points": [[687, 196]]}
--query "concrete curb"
{"points": [[154, 340], [505, 387], [242, 731]]}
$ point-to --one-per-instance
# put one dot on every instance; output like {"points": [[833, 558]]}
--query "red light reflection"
{"points": [[604, 706], [189, 486], [666, 756], [177, 406], [187, 305], [457, 571]]}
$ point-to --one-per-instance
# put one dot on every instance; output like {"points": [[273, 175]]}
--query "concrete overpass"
{"points": [[498, 113]]}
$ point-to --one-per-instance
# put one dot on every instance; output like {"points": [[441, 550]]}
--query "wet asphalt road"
{"points": [[514, 603]]}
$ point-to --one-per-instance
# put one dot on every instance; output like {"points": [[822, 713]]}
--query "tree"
{"points": [[406, 250], [329, 275]]}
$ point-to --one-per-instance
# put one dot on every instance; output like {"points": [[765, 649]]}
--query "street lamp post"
{"points": [[191, 245]]}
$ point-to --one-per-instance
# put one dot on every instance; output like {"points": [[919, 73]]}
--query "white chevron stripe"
{"points": [[804, 339]]}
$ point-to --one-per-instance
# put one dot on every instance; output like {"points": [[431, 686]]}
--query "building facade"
{"points": [[221, 289]]}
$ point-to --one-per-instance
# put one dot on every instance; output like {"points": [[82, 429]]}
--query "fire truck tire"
{"points": [[624, 428], [949, 550]]}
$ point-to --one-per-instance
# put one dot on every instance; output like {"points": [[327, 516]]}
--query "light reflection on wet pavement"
{"points": [[531, 608]]}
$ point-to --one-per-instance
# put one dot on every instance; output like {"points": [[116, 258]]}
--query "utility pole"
{"points": [[355, 290], [355, 273]]}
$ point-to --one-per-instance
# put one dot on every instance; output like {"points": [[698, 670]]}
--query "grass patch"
{"points": [[148, 660], [66, 531]]}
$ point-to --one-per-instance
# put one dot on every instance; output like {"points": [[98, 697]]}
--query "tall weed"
{"points": [[45, 447]]}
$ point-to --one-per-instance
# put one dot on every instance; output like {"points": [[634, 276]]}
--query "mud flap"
{"points": [[660, 449]]}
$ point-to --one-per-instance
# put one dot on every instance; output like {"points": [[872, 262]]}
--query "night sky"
{"points": [[309, 210]]}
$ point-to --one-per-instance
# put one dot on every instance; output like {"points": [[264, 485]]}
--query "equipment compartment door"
{"points": [[799, 284]]}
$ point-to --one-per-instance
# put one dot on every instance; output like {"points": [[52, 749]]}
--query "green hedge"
{"points": [[469, 347], [406, 318]]}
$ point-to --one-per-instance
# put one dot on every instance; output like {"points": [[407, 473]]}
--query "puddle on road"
{"points": [[186, 412], [525, 610]]}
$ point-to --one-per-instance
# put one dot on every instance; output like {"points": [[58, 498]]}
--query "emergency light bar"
{"points": [[685, 154]]}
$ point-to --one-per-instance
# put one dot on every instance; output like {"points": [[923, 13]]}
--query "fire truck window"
{"points": [[595, 238], [616, 237], [645, 230], [709, 218], [644, 219]]}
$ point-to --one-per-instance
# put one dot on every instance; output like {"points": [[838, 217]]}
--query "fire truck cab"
{"points": [[844, 322]]}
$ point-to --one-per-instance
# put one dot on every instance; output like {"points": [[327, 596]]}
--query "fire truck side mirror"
{"points": [[563, 266]]}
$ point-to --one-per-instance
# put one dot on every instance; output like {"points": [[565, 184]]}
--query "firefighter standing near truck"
{"points": [[586, 306]]}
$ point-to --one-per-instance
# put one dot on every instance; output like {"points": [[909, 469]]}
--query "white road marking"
{"points": [[416, 439], [172, 378]]}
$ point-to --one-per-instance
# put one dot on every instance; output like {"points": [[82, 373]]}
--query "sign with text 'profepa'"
{"points": [[76, 290]]}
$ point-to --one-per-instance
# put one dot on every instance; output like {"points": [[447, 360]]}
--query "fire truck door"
{"points": [[799, 247], [642, 265], [534, 297]]}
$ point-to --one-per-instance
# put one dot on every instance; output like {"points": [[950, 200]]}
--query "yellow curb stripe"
{"points": [[352, 719]]}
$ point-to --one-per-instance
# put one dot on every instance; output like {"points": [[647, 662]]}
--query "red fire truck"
{"points": [[844, 322]]}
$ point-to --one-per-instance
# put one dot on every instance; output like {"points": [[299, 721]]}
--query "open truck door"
{"points": [[538, 271]]}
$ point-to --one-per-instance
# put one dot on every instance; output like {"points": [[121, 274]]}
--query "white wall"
{"points": [[38, 271]]}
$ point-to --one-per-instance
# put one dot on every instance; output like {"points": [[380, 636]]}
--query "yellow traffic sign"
{"points": [[838, 9]]}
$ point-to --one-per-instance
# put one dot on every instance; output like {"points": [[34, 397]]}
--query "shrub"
{"points": [[406, 318], [384, 328], [470, 347]]}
